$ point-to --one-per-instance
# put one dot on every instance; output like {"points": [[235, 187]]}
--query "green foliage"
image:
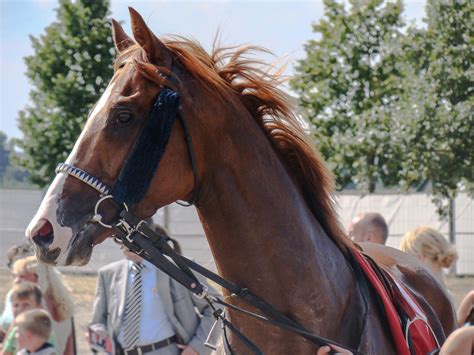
{"points": [[69, 70], [11, 176], [4, 154], [347, 84], [392, 106], [439, 88]]}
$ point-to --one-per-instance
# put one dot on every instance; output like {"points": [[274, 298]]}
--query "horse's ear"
{"points": [[153, 47], [121, 39]]}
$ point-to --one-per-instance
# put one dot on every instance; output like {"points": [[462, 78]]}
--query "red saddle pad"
{"points": [[410, 328]]}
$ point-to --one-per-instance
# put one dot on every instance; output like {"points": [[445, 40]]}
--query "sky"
{"points": [[281, 26]]}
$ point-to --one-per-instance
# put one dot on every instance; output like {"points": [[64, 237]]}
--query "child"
{"points": [[34, 329], [25, 296]]}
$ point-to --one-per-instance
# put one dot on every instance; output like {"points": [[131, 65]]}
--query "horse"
{"points": [[262, 193]]}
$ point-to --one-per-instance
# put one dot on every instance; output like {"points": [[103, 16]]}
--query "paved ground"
{"points": [[84, 286]]}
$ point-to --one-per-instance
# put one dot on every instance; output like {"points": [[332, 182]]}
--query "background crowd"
{"points": [[137, 310], [140, 310]]}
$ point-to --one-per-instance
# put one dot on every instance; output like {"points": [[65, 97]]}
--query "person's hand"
{"points": [[323, 350], [465, 308], [459, 342], [187, 350]]}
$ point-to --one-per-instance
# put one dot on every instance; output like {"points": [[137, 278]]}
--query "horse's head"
{"points": [[64, 229]]}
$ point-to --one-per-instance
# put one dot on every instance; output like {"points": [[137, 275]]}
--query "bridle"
{"points": [[138, 237], [166, 98]]}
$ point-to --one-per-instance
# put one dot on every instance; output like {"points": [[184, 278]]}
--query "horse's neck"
{"points": [[264, 237]]}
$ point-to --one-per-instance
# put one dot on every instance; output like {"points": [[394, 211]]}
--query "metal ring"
{"points": [[98, 217]]}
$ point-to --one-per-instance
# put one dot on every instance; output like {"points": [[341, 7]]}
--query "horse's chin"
{"points": [[48, 257], [78, 252]]}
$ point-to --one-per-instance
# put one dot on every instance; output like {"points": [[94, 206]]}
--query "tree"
{"points": [[388, 106], [69, 70], [4, 154], [347, 85], [435, 113], [11, 175]]}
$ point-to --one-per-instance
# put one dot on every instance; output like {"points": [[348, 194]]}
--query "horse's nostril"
{"points": [[45, 235], [46, 229]]}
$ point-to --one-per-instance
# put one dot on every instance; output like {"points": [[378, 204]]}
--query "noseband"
{"points": [[143, 160]]}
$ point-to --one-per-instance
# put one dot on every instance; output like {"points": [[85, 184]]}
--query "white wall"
{"points": [[402, 212]]}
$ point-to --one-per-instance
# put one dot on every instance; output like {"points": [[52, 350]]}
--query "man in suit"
{"points": [[160, 319]]}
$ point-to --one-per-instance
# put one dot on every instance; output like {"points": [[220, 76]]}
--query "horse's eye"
{"points": [[123, 117]]}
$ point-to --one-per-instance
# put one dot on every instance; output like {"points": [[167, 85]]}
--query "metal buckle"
{"points": [[127, 229], [204, 292]]}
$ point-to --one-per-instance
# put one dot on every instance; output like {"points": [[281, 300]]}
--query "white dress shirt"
{"points": [[154, 323]]}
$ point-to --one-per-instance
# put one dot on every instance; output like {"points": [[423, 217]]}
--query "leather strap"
{"points": [[152, 246]]}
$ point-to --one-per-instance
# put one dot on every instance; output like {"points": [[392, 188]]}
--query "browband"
{"points": [[83, 176]]}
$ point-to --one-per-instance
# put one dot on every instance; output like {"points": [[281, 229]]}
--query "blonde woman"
{"points": [[57, 297], [431, 247]]}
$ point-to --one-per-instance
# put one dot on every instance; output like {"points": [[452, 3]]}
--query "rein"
{"points": [[139, 238], [142, 240]]}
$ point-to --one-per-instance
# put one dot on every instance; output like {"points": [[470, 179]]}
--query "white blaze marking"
{"points": [[47, 211], [49, 205], [98, 107]]}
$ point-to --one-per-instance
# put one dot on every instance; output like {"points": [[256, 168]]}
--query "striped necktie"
{"points": [[131, 330]]}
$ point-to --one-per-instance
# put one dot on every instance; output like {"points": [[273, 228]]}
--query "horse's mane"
{"points": [[230, 71]]}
